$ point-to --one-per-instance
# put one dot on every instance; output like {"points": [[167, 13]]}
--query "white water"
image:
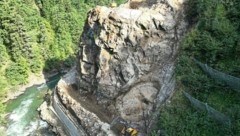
{"points": [[30, 130], [23, 119], [43, 86], [21, 124], [17, 119]]}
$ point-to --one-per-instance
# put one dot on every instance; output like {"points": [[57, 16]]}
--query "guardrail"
{"points": [[69, 124]]}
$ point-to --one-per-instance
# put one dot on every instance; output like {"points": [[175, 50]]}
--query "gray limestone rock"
{"points": [[125, 65], [126, 57]]}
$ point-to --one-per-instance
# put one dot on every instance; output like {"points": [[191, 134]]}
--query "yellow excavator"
{"points": [[122, 128], [129, 131]]}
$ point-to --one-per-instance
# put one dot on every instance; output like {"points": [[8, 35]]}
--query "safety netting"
{"points": [[213, 113], [229, 80]]}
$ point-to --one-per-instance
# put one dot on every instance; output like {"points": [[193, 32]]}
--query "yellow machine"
{"points": [[113, 4], [122, 128], [129, 132]]}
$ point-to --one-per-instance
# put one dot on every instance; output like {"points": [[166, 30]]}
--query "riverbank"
{"points": [[22, 116], [33, 79], [13, 93], [16, 91]]}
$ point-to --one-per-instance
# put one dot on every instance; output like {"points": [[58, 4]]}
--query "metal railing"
{"points": [[67, 121]]}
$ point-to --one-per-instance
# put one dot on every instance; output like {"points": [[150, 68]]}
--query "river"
{"points": [[23, 118]]}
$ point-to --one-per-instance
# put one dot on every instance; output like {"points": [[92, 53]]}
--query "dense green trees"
{"points": [[37, 35], [214, 39]]}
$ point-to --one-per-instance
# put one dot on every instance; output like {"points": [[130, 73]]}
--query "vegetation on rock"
{"points": [[214, 39]]}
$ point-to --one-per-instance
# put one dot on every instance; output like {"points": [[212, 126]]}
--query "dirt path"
{"points": [[90, 104]]}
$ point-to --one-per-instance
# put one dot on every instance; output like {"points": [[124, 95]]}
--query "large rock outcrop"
{"points": [[125, 65], [126, 57]]}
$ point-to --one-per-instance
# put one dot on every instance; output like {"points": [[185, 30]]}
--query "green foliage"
{"points": [[179, 118], [39, 32], [3, 55], [229, 80], [3, 92], [17, 73], [2, 110], [218, 116], [38, 35], [214, 39]]}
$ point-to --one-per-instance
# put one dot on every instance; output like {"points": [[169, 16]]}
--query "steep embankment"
{"points": [[125, 66]]}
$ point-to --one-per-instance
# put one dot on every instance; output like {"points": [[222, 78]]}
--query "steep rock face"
{"points": [[125, 65], [126, 57]]}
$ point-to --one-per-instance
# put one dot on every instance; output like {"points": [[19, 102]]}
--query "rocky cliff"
{"points": [[125, 65]]}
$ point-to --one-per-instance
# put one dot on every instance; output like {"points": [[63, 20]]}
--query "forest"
{"points": [[39, 35], [213, 38], [42, 35]]}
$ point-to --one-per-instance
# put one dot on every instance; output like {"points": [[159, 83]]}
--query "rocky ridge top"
{"points": [[125, 65]]}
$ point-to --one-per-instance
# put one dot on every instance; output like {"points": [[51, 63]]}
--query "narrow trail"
{"points": [[90, 103]]}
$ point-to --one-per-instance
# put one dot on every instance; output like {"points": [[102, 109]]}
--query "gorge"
{"points": [[124, 69], [131, 67]]}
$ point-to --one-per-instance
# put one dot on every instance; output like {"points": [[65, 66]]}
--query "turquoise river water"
{"points": [[23, 118]]}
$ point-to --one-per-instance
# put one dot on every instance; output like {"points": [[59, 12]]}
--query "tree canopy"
{"points": [[38, 35]]}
